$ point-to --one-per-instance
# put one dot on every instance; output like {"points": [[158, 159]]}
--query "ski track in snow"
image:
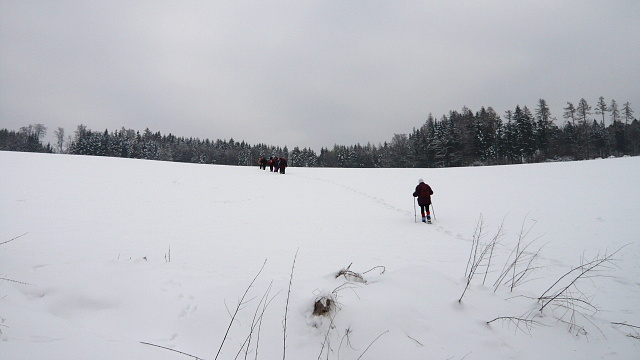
{"points": [[381, 202], [373, 198]]}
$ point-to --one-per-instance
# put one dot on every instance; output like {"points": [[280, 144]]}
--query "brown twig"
{"points": [[286, 308], [581, 271], [476, 258], [15, 238], [625, 324], [240, 303], [517, 321], [258, 315], [166, 348], [376, 267], [374, 340], [326, 337], [16, 281]]}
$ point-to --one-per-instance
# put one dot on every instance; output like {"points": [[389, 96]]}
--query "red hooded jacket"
{"points": [[423, 193]]}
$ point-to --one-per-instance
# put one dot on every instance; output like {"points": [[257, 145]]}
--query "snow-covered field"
{"points": [[119, 252]]}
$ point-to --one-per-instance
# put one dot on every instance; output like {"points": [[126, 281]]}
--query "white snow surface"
{"points": [[91, 278]]}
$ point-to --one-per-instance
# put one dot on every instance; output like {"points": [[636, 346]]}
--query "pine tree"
{"points": [[633, 136], [295, 157], [400, 150], [619, 137], [440, 146], [570, 140], [430, 138], [628, 112], [483, 143], [583, 110], [570, 113], [601, 108], [544, 128], [615, 113], [59, 133], [524, 140], [506, 139], [597, 140]]}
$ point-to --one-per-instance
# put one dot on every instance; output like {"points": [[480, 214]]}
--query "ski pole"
{"points": [[415, 216], [434, 211]]}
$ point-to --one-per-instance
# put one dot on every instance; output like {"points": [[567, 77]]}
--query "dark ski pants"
{"points": [[424, 209]]}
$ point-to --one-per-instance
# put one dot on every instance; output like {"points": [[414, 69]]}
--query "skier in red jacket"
{"points": [[423, 193]]}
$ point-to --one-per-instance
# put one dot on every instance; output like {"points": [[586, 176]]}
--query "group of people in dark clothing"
{"points": [[274, 163]]}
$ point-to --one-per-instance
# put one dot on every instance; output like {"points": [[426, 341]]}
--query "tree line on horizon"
{"points": [[460, 138]]}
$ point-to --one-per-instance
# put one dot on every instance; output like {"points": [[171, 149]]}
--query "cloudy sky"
{"points": [[306, 73]]}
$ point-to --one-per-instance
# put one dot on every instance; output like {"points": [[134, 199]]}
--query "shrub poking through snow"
{"points": [[323, 306], [351, 275]]}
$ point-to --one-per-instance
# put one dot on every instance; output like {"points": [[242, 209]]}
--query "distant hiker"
{"points": [[263, 163], [270, 163], [276, 164], [283, 165], [423, 193]]}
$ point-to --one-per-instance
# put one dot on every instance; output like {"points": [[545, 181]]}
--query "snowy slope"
{"points": [[96, 279]]}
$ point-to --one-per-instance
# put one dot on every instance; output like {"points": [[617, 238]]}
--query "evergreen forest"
{"points": [[459, 138]]}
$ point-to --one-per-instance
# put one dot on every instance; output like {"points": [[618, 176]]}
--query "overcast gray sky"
{"points": [[306, 73]]}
